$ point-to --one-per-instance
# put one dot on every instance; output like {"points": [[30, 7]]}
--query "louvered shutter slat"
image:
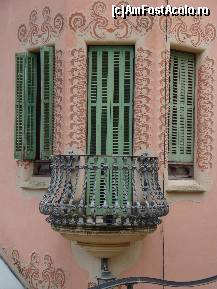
{"points": [[92, 174], [105, 114], [181, 116], [47, 92], [30, 107], [19, 106]]}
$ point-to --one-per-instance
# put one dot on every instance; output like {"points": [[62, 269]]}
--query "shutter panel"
{"points": [[109, 118], [19, 105], [121, 121], [110, 100], [181, 116], [30, 107], [47, 92], [26, 90], [97, 124]]}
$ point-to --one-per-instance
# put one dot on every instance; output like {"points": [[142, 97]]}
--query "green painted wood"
{"points": [[181, 116], [47, 98], [19, 106], [25, 114], [110, 102], [30, 107]]}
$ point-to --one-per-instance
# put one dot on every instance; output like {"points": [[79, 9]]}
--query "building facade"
{"points": [[76, 82]]}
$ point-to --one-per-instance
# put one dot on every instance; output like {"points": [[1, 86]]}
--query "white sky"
{"points": [[7, 278]]}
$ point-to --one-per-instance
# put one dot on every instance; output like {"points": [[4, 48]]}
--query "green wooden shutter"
{"points": [[110, 100], [30, 107], [181, 115], [19, 105], [47, 92], [121, 121], [26, 89], [109, 117]]}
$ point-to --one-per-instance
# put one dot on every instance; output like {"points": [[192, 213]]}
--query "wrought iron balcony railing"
{"points": [[100, 191]]}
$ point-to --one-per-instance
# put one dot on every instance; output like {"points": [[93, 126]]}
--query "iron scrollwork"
{"points": [[123, 191]]}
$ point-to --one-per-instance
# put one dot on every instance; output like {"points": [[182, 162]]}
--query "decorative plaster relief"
{"points": [[35, 33], [197, 32], [205, 114], [78, 99], [142, 104], [38, 276], [58, 100], [99, 27], [164, 107]]}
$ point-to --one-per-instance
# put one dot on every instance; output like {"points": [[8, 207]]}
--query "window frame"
{"points": [[183, 170], [47, 79], [132, 84]]}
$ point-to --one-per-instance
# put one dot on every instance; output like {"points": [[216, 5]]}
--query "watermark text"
{"points": [[127, 10]]}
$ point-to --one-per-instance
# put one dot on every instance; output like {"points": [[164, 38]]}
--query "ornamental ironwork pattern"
{"points": [[91, 284], [142, 110], [197, 33], [66, 200], [99, 27], [78, 99], [205, 114], [37, 274], [129, 282], [58, 102], [35, 33]]}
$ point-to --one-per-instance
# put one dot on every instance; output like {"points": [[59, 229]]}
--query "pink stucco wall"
{"points": [[185, 245]]}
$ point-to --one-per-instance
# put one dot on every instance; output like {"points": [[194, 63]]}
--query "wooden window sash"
{"points": [[110, 105]]}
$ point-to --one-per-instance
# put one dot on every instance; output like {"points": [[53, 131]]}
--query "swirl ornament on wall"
{"points": [[142, 109], [58, 101], [78, 98], [197, 33], [37, 276], [99, 27], [36, 33], [164, 106], [205, 114]]}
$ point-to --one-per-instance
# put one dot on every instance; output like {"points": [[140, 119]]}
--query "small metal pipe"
{"points": [[104, 264], [106, 275]]}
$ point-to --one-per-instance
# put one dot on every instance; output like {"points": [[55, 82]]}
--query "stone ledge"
{"points": [[184, 186], [104, 243], [35, 183]]}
